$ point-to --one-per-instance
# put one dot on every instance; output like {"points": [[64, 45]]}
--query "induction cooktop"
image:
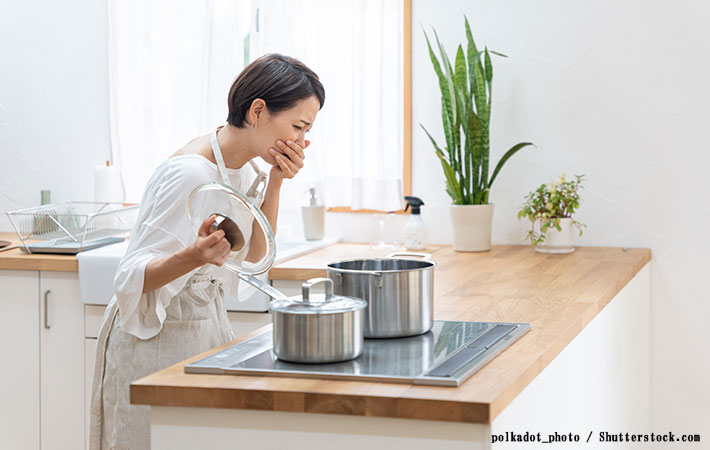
{"points": [[445, 356]]}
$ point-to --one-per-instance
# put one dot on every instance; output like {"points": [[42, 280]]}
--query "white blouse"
{"points": [[162, 228]]}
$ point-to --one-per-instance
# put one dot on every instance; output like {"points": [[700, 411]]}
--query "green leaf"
{"points": [[433, 142], [480, 93], [449, 134], [448, 70], [489, 66], [475, 150], [462, 101], [489, 78], [460, 74], [480, 197], [453, 187], [444, 85], [472, 53], [513, 150]]}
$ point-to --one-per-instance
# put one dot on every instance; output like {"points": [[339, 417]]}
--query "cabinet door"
{"points": [[62, 361], [19, 379]]}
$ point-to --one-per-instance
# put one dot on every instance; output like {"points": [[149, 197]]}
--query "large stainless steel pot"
{"points": [[399, 292]]}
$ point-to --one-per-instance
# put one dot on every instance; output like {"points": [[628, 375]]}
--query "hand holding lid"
{"points": [[232, 233], [235, 214]]}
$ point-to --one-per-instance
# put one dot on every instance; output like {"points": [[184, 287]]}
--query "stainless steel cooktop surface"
{"points": [[445, 356]]}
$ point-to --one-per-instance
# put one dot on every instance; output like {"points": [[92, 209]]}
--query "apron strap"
{"points": [[253, 191], [217, 152], [261, 177]]}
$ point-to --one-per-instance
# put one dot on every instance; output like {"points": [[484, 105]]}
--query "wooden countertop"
{"points": [[558, 294], [17, 260]]}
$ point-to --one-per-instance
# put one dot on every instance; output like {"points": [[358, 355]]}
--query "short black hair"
{"points": [[279, 80]]}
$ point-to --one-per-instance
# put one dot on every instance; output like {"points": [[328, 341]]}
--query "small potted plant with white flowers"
{"points": [[550, 208]]}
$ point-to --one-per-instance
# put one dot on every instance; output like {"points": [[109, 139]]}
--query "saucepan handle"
{"points": [[266, 288], [424, 256], [306, 288]]}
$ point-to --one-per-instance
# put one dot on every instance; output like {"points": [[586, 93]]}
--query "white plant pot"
{"points": [[471, 225], [557, 241]]}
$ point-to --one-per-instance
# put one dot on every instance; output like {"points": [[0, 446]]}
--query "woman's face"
{"points": [[291, 124]]}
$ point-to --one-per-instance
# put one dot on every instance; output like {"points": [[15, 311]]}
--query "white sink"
{"points": [[97, 269]]}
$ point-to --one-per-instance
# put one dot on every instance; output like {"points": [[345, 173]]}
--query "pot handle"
{"points": [[306, 288], [262, 286], [424, 256]]}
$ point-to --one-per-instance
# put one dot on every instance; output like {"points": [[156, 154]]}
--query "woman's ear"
{"points": [[256, 110]]}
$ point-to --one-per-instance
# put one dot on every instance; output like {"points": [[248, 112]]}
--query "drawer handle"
{"points": [[46, 309]]}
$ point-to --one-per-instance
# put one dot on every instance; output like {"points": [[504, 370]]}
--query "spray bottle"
{"points": [[414, 229]]}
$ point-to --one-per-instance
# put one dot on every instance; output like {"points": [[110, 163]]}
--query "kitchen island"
{"points": [[583, 367]]}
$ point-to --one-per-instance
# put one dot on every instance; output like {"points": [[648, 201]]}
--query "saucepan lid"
{"points": [[333, 304], [236, 215]]}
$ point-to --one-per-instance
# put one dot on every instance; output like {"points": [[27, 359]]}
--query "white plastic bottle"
{"points": [[414, 229], [313, 214]]}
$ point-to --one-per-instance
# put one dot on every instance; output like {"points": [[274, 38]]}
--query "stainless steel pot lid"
{"points": [[333, 304], [226, 202]]}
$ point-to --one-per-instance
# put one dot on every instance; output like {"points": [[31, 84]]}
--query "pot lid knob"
{"points": [[306, 288]]}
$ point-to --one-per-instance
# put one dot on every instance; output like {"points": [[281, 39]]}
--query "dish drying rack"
{"points": [[72, 227]]}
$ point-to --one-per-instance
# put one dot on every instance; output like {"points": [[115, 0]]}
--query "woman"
{"points": [[169, 288]]}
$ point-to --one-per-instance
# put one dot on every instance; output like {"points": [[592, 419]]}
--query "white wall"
{"points": [[53, 100], [614, 90]]}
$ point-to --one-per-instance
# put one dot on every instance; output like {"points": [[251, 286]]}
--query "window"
{"points": [[172, 62]]}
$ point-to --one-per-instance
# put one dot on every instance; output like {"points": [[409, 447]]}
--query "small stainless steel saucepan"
{"points": [[314, 332]]}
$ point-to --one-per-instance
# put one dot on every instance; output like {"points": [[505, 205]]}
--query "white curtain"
{"points": [[355, 47], [171, 63]]}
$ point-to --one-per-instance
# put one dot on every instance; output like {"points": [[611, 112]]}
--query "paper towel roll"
{"points": [[108, 186]]}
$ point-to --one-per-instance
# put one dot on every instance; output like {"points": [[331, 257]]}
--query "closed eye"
{"points": [[301, 128]]}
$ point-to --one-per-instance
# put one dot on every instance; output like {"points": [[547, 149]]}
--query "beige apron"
{"points": [[196, 320]]}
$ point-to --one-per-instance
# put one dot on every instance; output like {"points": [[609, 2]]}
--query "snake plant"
{"points": [[465, 113]]}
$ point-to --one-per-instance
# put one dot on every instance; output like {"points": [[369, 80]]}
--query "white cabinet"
{"points": [[19, 379], [42, 388], [61, 361]]}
